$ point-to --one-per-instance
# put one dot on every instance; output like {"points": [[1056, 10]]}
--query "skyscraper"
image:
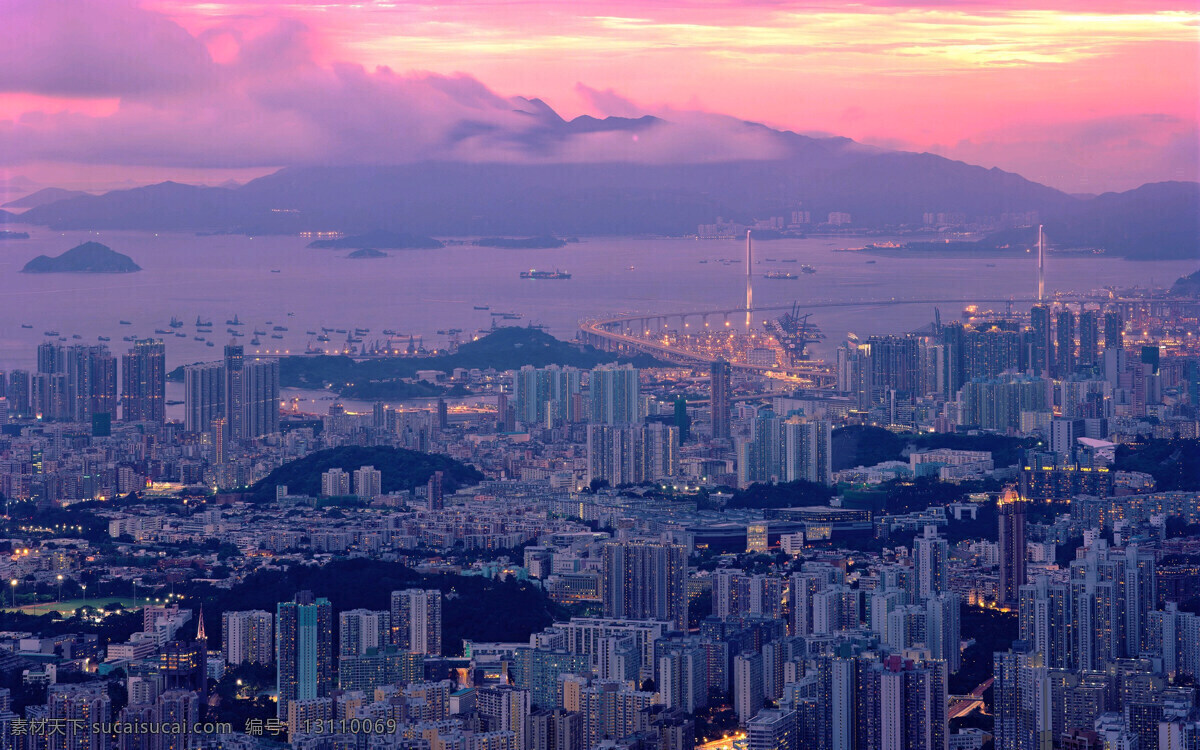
{"points": [[1012, 547], [933, 555], [234, 392], [260, 389], [144, 382], [1042, 351], [644, 580], [360, 630], [614, 393], [248, 636], [1065, 335], [1114, 331], [417, 620], [304, 649], [203, 395], [1089, 337], [719, 372]]}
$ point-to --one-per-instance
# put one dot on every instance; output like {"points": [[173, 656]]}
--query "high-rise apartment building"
{"points": [[1012, 547], [362, 630], [203, 395], [304, 649], [645, 580], [144, 382], [615, 394], [260, 381], [719, 373], [933, 558], [417, 620], [248, 637]]}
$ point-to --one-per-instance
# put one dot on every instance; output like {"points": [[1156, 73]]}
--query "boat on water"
{"points": [[259, 333], [322, 338], [52, 334], [238, 334], [808, 269], [361, 331], [208, 343], [181, 335], [254, 341], [870, 262], [76, 336], [482, 307], [234, 322], [339, 330], [276, 335], [197, 338], [176, 322], [276, 270], [388, 332], [125, 323], [103, 338], [311, 333], [512, 316], [555, 274], [162, 331], [280, 328], [127, 338], [313, 349], [26, 325], [780, 275], [789, 260], [201, 323]]}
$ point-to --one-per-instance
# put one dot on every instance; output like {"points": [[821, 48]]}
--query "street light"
{"points": [[60, 580], [13, 584]]}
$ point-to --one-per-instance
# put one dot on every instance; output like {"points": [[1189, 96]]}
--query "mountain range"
{"points": [[877, 187]]}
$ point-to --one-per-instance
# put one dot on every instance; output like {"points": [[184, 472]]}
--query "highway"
{"points": [[971, 701]]}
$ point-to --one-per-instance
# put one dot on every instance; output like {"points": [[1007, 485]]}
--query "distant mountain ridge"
{"points": [[44, 197], [819, 175]]}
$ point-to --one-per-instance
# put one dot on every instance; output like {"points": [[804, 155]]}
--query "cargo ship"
{"points": [[555, 274], [779, 275]]}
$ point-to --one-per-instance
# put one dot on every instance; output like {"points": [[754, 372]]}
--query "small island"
{"points": [[380, 238], [544, 241], [90, 257], [367, 252], [14, 235]]}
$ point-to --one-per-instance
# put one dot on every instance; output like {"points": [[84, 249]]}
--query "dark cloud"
{"points": [[89, 48]]}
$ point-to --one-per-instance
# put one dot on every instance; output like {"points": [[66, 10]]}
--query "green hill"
{"points": [[475, 607], [401, 470], [503, 349]]}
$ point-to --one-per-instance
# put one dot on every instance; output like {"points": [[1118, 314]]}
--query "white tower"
{"points": [[1041, 264], [749, 276]]}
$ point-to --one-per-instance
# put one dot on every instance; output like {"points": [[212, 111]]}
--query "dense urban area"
{"points": [[985, 533]]}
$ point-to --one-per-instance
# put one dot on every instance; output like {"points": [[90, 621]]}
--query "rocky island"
{"points": [[521, 243], [90, 257]]}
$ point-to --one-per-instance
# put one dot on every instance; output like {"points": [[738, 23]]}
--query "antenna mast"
{"points": [[1041, 264]]}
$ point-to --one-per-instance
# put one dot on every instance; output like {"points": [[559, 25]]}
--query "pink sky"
{"points": [[1084, 96]]}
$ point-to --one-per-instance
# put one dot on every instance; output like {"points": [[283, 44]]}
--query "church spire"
{"points": [[200, 635]]}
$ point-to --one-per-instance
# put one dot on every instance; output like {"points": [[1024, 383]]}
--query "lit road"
{"points": [[970, 701], [736, 741]]}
